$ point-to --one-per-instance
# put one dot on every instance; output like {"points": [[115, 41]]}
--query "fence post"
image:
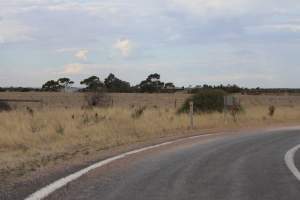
{"points": [[175, 103], [225, 110], [191, 114]]}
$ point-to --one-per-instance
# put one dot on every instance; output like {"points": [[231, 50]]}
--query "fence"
{"points": [[21, 101]]}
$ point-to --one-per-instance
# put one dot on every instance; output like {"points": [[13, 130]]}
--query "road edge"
{"points": [[49, 189], [60, 183]]}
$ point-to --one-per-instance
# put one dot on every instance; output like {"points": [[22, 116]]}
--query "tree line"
{"points": [[151, 84]]}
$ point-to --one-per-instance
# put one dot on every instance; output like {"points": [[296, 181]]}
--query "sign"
{"points": [[230, 101]]}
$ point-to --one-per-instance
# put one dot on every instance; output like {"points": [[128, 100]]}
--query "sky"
{"points": [[189, 42]]}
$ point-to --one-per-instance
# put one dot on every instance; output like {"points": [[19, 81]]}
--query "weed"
{"points": [[171, 119], [272, 110], [30, 111], [85, 119], [59, 128], [96, 118], [34, 127], [138, 112], [4, 106], [235, 110], [37, 125]]}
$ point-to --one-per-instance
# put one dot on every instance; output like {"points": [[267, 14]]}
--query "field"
{"points": [[77, 100], [171, 101], [59, 129]]}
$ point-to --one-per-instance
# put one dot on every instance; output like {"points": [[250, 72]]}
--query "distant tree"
{"points": [[151, 84], [228, 88], [65, 82], [93, 83], [154, 77], [113, 84], [205, 86], [169, 86], [51, 86]]}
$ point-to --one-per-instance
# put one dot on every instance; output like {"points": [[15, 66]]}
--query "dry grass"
{"points": [[77, 100], [29, 141]]}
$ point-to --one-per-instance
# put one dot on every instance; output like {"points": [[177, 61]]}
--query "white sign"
{"points": [[231, 101]]}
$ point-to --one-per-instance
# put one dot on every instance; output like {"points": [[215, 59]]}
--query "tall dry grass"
{"points": [[38, 137]]}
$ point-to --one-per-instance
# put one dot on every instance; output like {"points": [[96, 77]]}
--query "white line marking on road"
{"points": [[46, 191], [290, 162]]}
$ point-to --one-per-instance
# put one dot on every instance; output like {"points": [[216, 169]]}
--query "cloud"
{"points": [[82, 54], [79, 53], [174, 37], [193, 37], [292, 28], [220, 9], [73, 69], [239, 77], [67, 50], [82, 68], [124, 46], [209, 8], [14, 31]]}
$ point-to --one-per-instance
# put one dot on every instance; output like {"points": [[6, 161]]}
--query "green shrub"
{"points": [[60, 129], [205, 101]]}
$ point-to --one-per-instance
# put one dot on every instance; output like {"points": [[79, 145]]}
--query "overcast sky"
{"points": [[246, 42]]}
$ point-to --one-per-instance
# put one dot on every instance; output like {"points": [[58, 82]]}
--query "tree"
{"points": [[114, 84], [65, 82], [151, 84], [92, 83], [154, 77], [51, 86], [169, 86]]}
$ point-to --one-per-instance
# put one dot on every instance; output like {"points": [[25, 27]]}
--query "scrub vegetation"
{"points": [[32, 138]]}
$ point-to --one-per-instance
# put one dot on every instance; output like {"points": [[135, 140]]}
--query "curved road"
{"points": [[233, 167]]}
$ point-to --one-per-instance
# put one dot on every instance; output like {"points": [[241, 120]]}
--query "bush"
{"points": [[60, 129], [4, 106], [272, 111], [30, 111], [138, 112], [235, 110], [205, 101], [97, 99]]}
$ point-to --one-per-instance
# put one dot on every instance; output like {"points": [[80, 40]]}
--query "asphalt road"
{"points": [[234, 167]]}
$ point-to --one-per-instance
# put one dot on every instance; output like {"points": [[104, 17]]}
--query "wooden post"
{"points": [[191, 114], [225, 110], [175, 103]]}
